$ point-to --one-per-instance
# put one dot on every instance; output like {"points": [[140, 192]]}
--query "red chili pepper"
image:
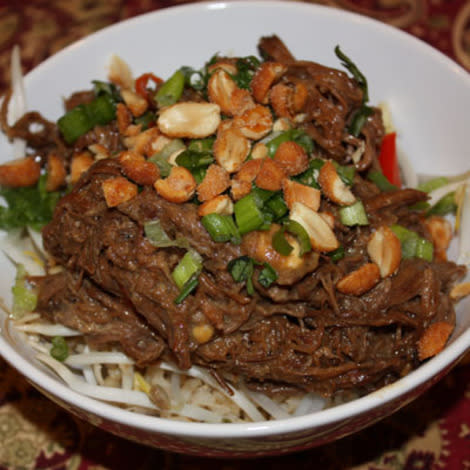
{"points": [[142, 82], [388, 159]]}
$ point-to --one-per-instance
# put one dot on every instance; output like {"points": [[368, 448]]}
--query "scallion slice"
{"points": [[445, 205], [412, 245], [188, 287], [300, 233], [280, 244], [60, 349], [354, 214], [248, 214], [381, 181], [170, 92], [241, 269], [189, 266], [221, 228]]}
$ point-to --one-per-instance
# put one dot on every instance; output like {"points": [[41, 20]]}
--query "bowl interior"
{"points": [[428, 95]]}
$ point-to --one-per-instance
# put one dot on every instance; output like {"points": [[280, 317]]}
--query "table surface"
{"points": [[433, 432]]}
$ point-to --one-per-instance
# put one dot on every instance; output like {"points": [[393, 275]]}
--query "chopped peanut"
{"points": [[178, 187], [231, 149], [249, 170], [56, 173], [20, 173], [259, 151], [270, 175], [120, 73], [123, 117], [460, 290], [138, 169], [384, 249], [143, 141], [333, 186], [255, 122], [203, 333], [240, 189], [134, 102], [359, 281], [292, 158], [79, 164], [215, 182], [321, 235], [280, 97], [221, 204], [225, 64], [266, 75], [297, 192], [441, 234], [189, 119], [434, 339], [117, 190]]}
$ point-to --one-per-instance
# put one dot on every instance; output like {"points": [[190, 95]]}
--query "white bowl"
{"points": [[429, 98]]}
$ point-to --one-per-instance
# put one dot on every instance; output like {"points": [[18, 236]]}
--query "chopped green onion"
{"points": [[60, 349], [170, 92], [412, 245], [300, 233], [158, 237], [162, 163], [246, 68], [359, 119], [189, 266], [106, 88], [193, 160], [420, 206], [221, 228], [188, 287], [310, 176], [433, 184], [296, 135], [355, 72], [354, 214], [24, 299], [262, 195], [337, 254], [248, 214], [145, 119], [445, 205], [346, 173], [161, 158], [201, 145], [277, 206], [84, 117], [267, 275], [381, 181], [241, 270], [280, 244]]}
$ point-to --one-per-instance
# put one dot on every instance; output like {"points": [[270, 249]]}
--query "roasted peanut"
{"points": [[240, 189], [255, 122], [292, 158], [117, 190], [221, 204], [297, 192], [203, 333], [123, 117], [270, 175], [79, 164], [259, 151], [189, 119], [266, 75], [440, 230], [56, 173], [321, 235], [138, 169], [134, 102], [460, 290], [20, 173], [434, 339], [384, 250], [120, 73], [333, 186], [215, 182], [249, 170], [178, 187], [359, 281], [231, 149]]}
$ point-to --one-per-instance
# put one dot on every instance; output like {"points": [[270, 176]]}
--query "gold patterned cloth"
{"points": [[431, 433]]}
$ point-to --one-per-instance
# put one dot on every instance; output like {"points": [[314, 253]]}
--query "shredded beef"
{"points": [[306, 335]]}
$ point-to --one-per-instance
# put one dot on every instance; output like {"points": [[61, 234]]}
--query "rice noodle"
{"points": [[47, 330]]}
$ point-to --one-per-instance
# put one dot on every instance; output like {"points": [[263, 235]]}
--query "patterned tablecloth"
{"points": [[433, 432]]}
